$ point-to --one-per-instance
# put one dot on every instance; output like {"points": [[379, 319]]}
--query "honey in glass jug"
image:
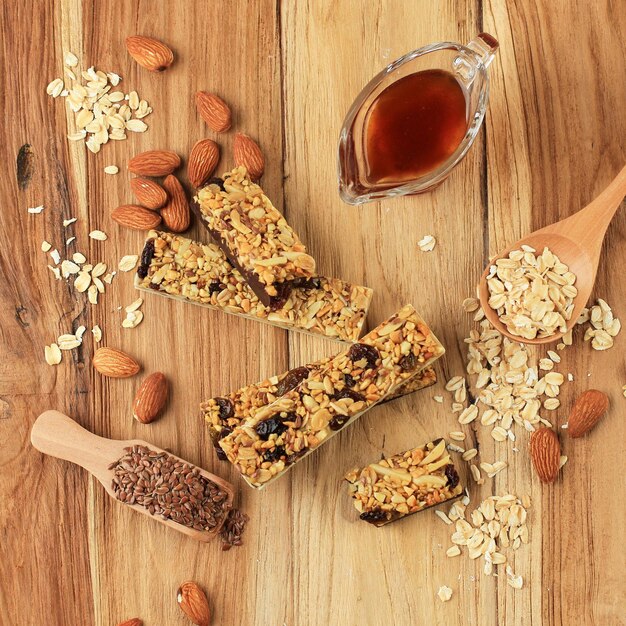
{"points": [[414, 121]]}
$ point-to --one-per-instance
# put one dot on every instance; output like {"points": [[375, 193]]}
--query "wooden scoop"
{"points": [[577, 241], [59, 435]]}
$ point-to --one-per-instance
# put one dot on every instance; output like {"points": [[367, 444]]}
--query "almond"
{"points": [[247, 153], [114, 363], [150, 398], [194, 604], [150, 53], [202, 161], [135, 216], [586, 412], [214, 111], [176, 212], [135, 621], [148, 192], [545, 453], [154, 163]]}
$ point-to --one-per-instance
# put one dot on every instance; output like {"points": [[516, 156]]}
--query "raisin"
{"points": [[146, 258], [294, 456], [221, 455], [360, 351], [373, 516], [291, 380], [350, 381], [348, 393], [227, 409], [271, 426], [274, 455], [338, 422], [216, 181], [452, 476], [408, 362], [215, 287]]}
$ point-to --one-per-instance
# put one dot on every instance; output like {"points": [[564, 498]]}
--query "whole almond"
{"points": [[150, 53], [176, 212], [586, 412], [194, 604], [136, 217], [247, 153], [154, 163], [114, 363], [148, 192], [545, 454], [202, 161], [214, 111], [135, 621], [150, 398]]}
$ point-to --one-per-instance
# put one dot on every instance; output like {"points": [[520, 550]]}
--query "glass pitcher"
{"points": [[467, 64]]}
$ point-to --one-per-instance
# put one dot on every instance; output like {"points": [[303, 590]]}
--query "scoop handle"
{"points": [[60, 436]]}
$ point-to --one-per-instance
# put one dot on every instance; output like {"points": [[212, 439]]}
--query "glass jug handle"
{"points": [[485, 46]]}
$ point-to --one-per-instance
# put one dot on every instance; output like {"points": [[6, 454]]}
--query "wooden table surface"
{"points": [[553, 138]]}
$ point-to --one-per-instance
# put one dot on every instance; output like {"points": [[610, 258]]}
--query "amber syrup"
{"points": [[414, 126]]}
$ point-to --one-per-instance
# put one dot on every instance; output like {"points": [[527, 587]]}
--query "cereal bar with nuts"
{"points": [[268, 443], [180, 268], [222, 414], [254, 236], [404, 484]]}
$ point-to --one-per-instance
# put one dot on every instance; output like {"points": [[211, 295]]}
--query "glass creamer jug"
{"points": [[414, 121]]}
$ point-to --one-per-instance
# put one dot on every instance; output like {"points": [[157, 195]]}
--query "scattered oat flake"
{"points": [[134, 305], [52, 354], [111, 169], [438, 399], [56, 257], [98, 235], [427, 243], [70, 221], [69, 240], [71, 60], [97, 333], [45, 246], [444, 593], [562, 461], [36, 209], [128, 262]]}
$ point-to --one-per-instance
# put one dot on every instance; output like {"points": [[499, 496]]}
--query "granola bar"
{"points": [[178, 267], [404, 483], [254, 236], [270, 442], [222, 414]]}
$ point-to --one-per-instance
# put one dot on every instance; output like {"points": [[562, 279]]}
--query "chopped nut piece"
{"points": [[427, 243]]}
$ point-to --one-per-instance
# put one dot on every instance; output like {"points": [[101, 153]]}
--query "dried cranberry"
{"points": [[215, 287], [348, 393], [350, 381], [216, 181], [452, 476], [291, 380], [373, 516], [226, 406], [146, 258], [338, 422], [360, 351], [274, 454], [271, 426], [408, 363]]}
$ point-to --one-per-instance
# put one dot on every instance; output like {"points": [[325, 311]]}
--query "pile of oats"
{"points": [[100, 114], [604, 327], [532, 294], [134, 316], [498, 522]]}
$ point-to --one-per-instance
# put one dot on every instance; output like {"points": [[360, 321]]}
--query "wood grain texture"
{"points": [[552, 140]]}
